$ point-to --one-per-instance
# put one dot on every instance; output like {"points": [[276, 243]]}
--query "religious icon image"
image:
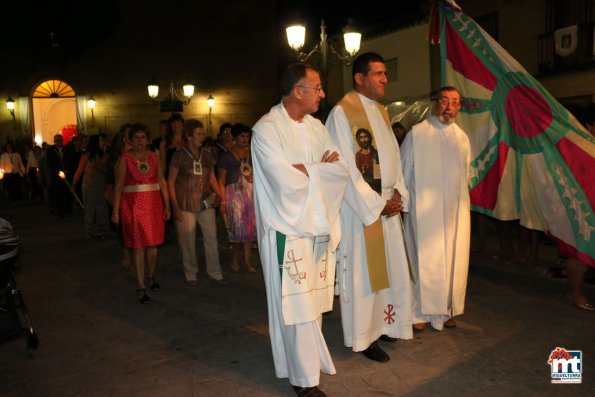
{"points": [[366, 159]]}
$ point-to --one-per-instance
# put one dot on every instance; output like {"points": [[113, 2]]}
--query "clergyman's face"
{"points": [[371, 84], [311, 92], [447, 107]]}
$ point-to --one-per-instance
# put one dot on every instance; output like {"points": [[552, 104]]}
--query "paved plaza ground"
{"points": [[211, 340]]}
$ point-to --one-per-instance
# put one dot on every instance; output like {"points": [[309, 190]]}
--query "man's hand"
{"points": [[329, 157], [397, 198], [178, 214], [392, 207], [301, 168]]}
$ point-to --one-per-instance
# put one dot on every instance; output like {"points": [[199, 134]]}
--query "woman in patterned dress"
{"points": [[93, 171], [234, 169], [140, 195]]}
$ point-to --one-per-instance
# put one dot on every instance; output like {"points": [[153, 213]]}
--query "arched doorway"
{"points": [[54, 111]]}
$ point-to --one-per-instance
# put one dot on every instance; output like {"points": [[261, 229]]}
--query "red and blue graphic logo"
{"points": [[566, 365]]}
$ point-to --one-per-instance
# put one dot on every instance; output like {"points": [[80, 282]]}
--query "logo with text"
{"points": [[566, 365]]}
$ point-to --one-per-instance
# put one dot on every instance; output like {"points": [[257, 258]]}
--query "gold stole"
{"points": [[373, 234]]}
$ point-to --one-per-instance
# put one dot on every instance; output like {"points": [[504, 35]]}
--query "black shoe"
{"points": [[144, 299], [153, 286], [386, 338], [308, 391], [375, 353]]}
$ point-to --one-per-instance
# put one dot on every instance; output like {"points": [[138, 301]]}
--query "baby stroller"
{"points": [[13, 312]]}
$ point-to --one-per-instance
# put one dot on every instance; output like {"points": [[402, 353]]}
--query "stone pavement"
{"points": [[211, 340]]}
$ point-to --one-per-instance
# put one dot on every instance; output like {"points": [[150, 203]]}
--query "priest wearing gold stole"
{"points": [[299, 182], [436, 164], [373, 272]]}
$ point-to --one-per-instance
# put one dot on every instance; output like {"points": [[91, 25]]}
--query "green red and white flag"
{"points": [[531, 159]]}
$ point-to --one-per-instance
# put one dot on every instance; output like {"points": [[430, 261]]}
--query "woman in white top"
{"points": [[12, 169]]}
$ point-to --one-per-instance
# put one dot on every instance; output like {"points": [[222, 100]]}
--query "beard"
{"points": [[446, 118]]}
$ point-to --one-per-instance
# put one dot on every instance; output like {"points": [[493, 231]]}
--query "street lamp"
{"points": [[91, 105], [296, 35], [171, 103]]}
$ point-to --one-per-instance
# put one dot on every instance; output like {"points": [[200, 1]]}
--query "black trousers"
{"points": [[12, 185]]}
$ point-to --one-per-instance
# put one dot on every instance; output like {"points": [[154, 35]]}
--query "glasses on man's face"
{"points": [[316, 89], [444, 101]]}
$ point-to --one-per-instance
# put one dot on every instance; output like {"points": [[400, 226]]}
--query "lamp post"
{"points": [[296, 35], [91, 105], [171, 103]]}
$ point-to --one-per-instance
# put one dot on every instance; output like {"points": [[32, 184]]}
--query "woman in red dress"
{"points": [[140, 195]]}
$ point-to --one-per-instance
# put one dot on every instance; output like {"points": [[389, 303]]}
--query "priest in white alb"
{"points": [[299, 182], [436, 165], [373, 274]]}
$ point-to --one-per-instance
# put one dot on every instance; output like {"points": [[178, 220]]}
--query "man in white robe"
{"points": [[299, 182], [370, 312], [436, 166]]}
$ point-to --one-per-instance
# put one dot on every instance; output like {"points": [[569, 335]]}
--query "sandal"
{"points": [[144, 298], [586, 306], [581, 302], [153, 286]]}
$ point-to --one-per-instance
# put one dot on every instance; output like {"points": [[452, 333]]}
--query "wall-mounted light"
{"points": [[171, 103], [210, 104], [91, 104], [10, 107], [153, 89]]}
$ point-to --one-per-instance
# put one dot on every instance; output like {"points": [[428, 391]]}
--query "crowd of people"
{"points": [[357, 207], [146, 188]]}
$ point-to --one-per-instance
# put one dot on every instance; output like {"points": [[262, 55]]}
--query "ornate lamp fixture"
{"points": [[296, 35], [171, 103]]}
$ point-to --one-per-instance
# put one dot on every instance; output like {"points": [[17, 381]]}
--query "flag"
{"points": [[531, 159]]}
